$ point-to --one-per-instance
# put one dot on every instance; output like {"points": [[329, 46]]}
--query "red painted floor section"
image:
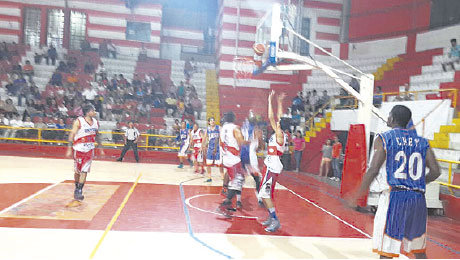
{"points": [[156, 207]]}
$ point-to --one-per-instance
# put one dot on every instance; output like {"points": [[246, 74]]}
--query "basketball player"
{"points": [[184, 139], [197, 141], [81, 138], [401, 216], [231, 140], [273, 165], [211, 140], [253, 135]]}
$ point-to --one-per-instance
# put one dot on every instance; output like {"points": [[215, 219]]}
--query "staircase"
{"points": [[387, 66], [212, 96], [446, 145]]}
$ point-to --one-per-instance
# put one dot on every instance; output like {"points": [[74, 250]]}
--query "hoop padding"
{"points": [[243, 68]]}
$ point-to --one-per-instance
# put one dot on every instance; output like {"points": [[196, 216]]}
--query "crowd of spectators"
{"points": [[79, 79]]}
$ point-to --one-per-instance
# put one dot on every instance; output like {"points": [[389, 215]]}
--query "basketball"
{"points": [[259, 48]]}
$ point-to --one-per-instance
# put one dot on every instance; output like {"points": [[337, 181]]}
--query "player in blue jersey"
{"points": [[400, 221], [211, 142], [184, 139]]}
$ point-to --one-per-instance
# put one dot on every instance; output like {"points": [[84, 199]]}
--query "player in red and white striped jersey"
{"points": [[82, 137]]}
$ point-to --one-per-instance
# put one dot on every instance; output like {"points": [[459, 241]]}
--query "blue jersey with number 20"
{"points": [[405, 162]]}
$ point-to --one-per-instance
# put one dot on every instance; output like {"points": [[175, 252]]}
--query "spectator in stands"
{"points": [[295, 119], [354, 83], [38, 58], [56, 79], [89, 94], [297, 103], [39, 124], [152, 139], [28, 123], [103, 49], [60, 135], [16, 69], [171, 103], [62, 67], [85, 46], [314, 100], [142, 53], [88, 67], [453, 56], [33, 109], [176, 127], [111, 49], [181, 90], [189, 69], [72, 63], [72, 79], [16, 86], [197, 106], [101, 72], [2, 105], [51, 54], [14, 122], [406, 95], [62, 109], [378, 97], [324, 100], [3, 122], [122, 82], [28, 70], [3, 51]]}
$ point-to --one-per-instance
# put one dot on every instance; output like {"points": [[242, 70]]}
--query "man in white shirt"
{"points": [[131, 137], [14, 122], [89, 94], [3, 122]]}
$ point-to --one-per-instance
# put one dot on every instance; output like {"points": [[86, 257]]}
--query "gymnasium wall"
{"points": [[106, 19], [377, 19]]}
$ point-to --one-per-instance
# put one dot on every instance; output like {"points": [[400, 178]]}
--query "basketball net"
{"points": [[243, 68]]}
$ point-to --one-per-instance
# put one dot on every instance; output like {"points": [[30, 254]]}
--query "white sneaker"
{"points": [[275, 225]]}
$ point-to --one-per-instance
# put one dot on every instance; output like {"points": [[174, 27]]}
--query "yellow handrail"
{"points": [[453, 90], [40, 139], [449, 180]]}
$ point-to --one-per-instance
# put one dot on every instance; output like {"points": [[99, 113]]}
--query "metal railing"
{"points": [[59, 136], [449, 180]]}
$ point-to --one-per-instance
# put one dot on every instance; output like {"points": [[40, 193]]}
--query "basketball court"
{"points": [[171, 213]]}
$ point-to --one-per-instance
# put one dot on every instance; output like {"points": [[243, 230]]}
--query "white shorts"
{"points": [[183, 150], [214, 162]]}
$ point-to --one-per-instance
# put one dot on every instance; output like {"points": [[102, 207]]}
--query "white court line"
{"points": [[28, 198], [187, 201], [331, 214]]}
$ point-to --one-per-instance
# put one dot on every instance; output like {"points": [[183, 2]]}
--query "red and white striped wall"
{"points": [[106, 19], [10, 21], [184, 37]]}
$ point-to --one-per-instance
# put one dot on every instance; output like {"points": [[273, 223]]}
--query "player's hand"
{"points": [[270, 96]]}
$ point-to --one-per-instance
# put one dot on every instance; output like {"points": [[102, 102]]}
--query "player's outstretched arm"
{"points": [[271, 115], [73, 132], [433, 165], [279, 132], [377, 161]]}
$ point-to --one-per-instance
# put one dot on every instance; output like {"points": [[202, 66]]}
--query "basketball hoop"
{"points": [[243, 68]]}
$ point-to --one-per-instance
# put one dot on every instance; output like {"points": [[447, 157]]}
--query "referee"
{"points": [[131, 137]]}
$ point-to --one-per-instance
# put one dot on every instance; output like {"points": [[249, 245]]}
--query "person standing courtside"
{"points": [[131, 137]]}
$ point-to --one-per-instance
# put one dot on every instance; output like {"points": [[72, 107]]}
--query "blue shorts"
{"points": [[244, 154], [211, 156], [406, 215]]}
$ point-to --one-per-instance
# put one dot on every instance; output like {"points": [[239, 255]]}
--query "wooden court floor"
{"points": [[158, 210]]}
